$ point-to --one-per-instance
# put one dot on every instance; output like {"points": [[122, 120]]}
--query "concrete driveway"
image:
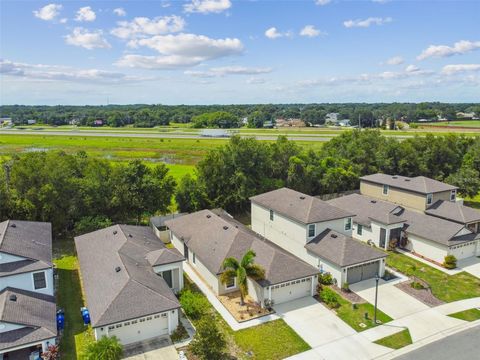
{"points": [[316, 324], [391, 300], [160, 348], [470, 265]]}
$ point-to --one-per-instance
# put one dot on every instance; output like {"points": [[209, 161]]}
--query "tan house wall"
{"points": [[402, 197]]}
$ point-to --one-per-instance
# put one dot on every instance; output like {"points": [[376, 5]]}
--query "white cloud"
{"points": [[85, 14], [458, 68], [62, 73], [381, 1], [142, 26], [273, 33], [412, 69], [63, 20], [207, 6], [48, 12], [228, 70], [311, 31], [255, 81], [87, 39], [460, 47], [322, 2], [396, 60], [364, 23], [120, 12], [181, 50]]}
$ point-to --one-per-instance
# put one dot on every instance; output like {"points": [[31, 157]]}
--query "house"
{"points": [[31, 122], [27, 302], [130, 279], [417, 193], [316, 232], [453, 211], [206, 238], [388, 225]]}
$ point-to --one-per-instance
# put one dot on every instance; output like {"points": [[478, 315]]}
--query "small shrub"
{"points": [[346, 287], [107, 348], [179, 334], [325, 279], [329, 297], [416, 285], [450, 262], [194, 304]]}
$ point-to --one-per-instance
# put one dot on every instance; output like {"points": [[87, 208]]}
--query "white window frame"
{"points": [[453, 195], [386, 189], [33, 280], [232, 286], [314, 230], [348, 221], [429, 197]]}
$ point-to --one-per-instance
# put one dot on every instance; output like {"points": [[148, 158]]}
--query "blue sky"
{"points": [[226, 51]]}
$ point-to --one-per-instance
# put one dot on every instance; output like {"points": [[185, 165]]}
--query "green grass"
{"points": [[467, 315], [355, 316], [268, 341], [396, 341], [445, 287], [462, 123], [69, 297], [473, 202]]}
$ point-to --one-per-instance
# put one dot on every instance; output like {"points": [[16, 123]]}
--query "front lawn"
{"points": [[69, 298], [445, 287], [467, 315], [396, 341], [272, 340]]}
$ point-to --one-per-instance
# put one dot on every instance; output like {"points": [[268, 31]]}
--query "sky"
{"points": [[234, 52]]}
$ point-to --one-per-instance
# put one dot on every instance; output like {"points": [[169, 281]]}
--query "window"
{"points": [[111, 327], [385, 189], [359, 229], [164, 315], [230, 284], [311, 230], [118, 326], [194, 258], [271, 215], [127, 323], [453, 195], [149, 318], [134, 321], [39, 280], [429, 199], [156, 316], [348, 223], [142, 320]]}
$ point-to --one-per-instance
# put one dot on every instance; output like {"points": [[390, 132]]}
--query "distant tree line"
{"points": [[367, 115], [228, 176]]}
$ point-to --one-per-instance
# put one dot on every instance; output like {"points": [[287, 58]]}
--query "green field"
{"points": [[462, 123]]}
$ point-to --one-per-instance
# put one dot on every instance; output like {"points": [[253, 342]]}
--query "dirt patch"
{"points": [[423, 295], [250, 310], [349, 295]]}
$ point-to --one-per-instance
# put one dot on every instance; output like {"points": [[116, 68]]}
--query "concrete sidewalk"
{"points": [[234, 324]]}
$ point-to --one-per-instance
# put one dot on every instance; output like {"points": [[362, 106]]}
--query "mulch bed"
{"points": [[423, 295], [350, 295]]}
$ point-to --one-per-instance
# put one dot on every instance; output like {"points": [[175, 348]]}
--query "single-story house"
{"points": [[130, 279], [206, 238], [387, 224], [306, 226]]}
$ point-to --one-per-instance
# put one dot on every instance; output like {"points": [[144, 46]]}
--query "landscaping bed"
{"points": [[444, 287], [251, 310], [422, 294], [396, 341]]}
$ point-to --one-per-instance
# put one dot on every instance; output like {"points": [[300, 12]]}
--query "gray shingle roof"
{"points": [[419, 184], [22, 266], [37, 312], [27, 239], [342, 250], [426, 226], [300, 207], [215, 236], [135, 290], [453, 211]]}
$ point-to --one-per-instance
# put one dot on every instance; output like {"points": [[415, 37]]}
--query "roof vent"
{"points": [[130, 235], [13, 225], [334, 236], [407, 179], [114, 232], [302, 197], [209, 216], [394, 177], [117, 269], [373, 201], [225, 227], [13, 297]]}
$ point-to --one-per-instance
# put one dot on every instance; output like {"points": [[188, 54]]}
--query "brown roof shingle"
{"points": [[453, 211], [419, 184]]}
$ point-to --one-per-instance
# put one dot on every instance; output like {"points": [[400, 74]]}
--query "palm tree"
{"points": [[241, 271]]}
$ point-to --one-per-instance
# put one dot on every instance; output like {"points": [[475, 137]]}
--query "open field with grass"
{"points": [[461, 123], [445, 287], [396, 341]]}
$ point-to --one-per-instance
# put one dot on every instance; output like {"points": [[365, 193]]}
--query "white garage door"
{"points": [[291, 290], [140, 329], [463, 251]]}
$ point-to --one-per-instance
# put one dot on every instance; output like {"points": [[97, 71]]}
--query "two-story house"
{"points": [[316, 232], [27, 302]]}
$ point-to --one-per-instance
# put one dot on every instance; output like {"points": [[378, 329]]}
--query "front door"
{"points": [[185, 251], [383, 235]]}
